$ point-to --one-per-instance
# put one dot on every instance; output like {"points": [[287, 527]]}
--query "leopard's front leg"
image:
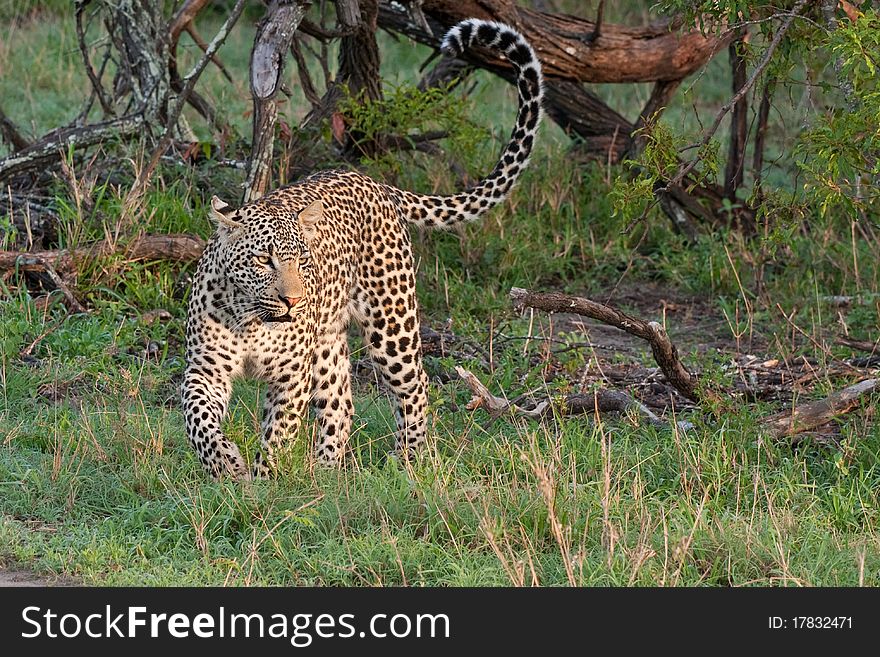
{"points": [[289, 377], [206, 391]]}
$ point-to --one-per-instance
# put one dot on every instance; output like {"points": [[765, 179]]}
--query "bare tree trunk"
{"points": [[760, 136], [359, 52], [274, 36], [358, 67]]}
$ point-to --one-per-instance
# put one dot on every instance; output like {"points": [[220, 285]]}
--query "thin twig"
{"points": [[97, 87]]}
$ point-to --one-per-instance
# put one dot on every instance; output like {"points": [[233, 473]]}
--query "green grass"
{"points": [[102, 485], [97, 480]]}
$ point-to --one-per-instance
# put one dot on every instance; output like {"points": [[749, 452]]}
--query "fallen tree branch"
{"points": [[600, 401], [814, 414], [31, 262], [55, 145], [860, 345], [176, 248], [662, 348]]}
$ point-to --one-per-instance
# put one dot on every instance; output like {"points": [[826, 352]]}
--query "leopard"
{"points": [[284, 275]]}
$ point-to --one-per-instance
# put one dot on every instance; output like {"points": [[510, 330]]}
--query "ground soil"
{"points": [[16, 576]]}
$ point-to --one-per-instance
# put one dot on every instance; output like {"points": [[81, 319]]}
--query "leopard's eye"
{"points": [[264, 260], [305, 261]]}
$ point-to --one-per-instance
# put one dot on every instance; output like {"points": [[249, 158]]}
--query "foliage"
{"points": [[840, 154], [407, 112], [834, 162], [633, 193]]}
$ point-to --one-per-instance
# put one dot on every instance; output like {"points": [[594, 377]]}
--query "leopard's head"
{"points": [[264, 250]]}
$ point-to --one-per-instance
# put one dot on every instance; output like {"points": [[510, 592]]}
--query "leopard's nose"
{"points": [[291, 301]]}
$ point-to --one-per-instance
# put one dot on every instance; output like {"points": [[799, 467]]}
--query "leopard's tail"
{"points": [[446, 211]]}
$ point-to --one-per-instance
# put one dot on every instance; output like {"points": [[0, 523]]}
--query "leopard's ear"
{"points": [[309, 218], [222, 213]]}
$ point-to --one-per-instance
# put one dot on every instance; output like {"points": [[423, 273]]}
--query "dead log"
{"points": [[621, 53], [181, 248], [665, 353], [597, 402], [814, 414], [56, 144]]}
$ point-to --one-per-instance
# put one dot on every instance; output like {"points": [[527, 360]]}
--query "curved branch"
{"points": [[664, 351]]}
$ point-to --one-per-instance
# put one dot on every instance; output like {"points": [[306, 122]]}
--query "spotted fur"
{"points": [[283, 276]]}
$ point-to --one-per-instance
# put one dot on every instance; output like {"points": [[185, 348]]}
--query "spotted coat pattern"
{"points": [[284, 275]]}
